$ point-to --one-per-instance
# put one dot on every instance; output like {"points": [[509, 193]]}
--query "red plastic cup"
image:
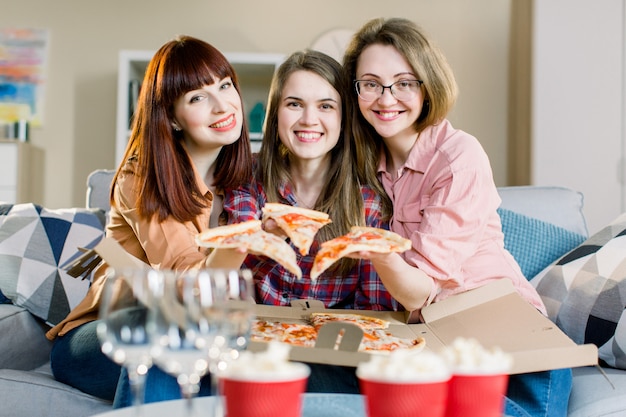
{"points": [[264, 398], [476, 395], [404, 399]]}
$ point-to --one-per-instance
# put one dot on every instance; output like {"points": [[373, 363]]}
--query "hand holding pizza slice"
{"points": [[251, 236], [299, 224], [359, 239]]}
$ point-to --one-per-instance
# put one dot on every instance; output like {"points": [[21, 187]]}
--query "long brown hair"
{"points": [[341, 196], [427, 62], [166, 180]]}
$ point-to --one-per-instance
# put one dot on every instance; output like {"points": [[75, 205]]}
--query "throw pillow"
{"points": [[535, 244], [585, 292], [36, 245]]}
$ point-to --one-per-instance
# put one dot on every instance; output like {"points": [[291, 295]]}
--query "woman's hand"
{"points": [[270, 226]]}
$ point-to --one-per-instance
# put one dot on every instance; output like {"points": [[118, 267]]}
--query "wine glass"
{"points": [[230, 309], [202, 322], [128, 295], [180, 337]]}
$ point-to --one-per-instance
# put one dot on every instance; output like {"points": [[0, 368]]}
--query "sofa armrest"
{"points": [[23, 344]]}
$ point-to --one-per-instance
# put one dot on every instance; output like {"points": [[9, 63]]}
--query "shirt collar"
{"points": [[420, 155], [201, 184]]}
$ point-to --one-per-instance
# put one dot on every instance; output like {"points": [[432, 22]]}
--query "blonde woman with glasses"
{"points": [[437, 183]]}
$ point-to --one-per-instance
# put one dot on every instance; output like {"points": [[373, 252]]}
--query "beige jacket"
{"points": [[163, 245]]}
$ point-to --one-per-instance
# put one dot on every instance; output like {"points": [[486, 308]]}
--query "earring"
{"points": [[176, 128]]}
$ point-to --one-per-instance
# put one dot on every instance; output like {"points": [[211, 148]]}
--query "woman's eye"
{"points": [[226, 85], [327, 106], [293, 104]]}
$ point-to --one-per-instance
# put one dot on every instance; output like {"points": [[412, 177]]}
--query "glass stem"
{"points": [[189, 391], [218, 405], [137, 382]]}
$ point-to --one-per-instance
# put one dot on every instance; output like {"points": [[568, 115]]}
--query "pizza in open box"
{"points": [[376, 337]]}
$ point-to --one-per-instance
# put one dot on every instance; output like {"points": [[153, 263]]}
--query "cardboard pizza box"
{"points": [[494, 314]]}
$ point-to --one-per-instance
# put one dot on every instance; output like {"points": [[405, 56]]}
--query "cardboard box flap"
{"points": [[116, 256], [468, 299], [554, 358], [504, 319]]}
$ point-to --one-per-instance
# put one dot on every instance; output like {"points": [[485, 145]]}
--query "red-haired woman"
{"points": [[189, 142]]}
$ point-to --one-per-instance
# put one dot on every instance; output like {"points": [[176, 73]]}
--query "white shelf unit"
{"points": [[255, 71], [21, 172]]}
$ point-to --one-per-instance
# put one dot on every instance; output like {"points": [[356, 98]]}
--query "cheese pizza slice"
{"points": [[252, 237], [359, 239], [299, 224]]}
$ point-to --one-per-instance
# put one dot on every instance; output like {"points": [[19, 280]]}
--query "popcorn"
{"points": [[270, 365], [467, 356], [405, 366]]}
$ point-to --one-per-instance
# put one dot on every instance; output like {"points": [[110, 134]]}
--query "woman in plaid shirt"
{"points": [[306, 161]]}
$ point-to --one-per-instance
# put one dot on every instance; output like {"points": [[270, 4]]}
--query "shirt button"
{"points": [[285, 295]]}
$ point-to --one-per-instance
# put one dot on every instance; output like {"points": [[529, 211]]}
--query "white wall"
{"points": [[578, 95], [78, 133]]}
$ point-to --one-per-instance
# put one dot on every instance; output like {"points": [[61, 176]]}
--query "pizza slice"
{"points": [[382, 341], [251, 236], [360, 238], [364, 322], [299, 224]]}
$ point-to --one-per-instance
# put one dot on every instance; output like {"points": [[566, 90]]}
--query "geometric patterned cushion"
{"points": [[36, 244], [534, 243], [585, 292]]}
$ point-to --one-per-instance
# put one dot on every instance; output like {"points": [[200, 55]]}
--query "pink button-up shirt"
{"points": [[445, 201]]}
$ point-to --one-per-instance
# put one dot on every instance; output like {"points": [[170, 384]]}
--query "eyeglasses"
{"points": [[403, 90]]}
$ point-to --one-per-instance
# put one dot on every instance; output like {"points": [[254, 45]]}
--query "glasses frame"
{"points": [[390, 87]]}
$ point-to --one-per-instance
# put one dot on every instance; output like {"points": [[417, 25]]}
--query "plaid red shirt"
{"points": [[361, 288]]}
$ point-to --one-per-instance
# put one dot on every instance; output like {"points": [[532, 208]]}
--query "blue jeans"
{"points": [[160, 386], [76, 360], [539, 394]]}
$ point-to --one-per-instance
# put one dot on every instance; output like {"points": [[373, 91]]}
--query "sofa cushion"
{"points": [[593, 394], [585, 292], [23, 344], [38, 394], [36, 244], [534, 243]]}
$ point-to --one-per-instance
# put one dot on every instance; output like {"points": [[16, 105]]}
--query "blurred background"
{"points": [[542, 83]]}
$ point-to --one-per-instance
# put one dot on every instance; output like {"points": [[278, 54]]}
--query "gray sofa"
{"points": [[27, 388]]}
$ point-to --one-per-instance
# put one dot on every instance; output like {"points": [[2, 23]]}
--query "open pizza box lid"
{"points": [[494, 314]]}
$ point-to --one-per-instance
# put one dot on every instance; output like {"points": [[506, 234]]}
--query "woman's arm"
{"points": [[410, 286]]}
